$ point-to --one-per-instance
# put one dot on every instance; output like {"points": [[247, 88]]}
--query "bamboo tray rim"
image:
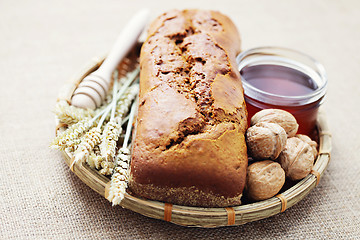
{"points": [[201, 216]]}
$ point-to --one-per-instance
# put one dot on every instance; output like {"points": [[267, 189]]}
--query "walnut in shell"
{"points": [[308, 140], [265, 140], [264, 180], [285, 119], [297, 159]]}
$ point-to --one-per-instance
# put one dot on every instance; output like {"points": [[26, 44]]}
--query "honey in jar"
{"points": [[284, 79]]}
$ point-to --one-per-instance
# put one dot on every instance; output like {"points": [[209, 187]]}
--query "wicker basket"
{"points": [[196, 216]]}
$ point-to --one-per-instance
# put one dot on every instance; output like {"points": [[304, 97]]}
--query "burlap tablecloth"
{"points": [[42, 43]]}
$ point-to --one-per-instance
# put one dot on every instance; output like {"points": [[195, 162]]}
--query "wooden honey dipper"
{"points": [[93, 88]]}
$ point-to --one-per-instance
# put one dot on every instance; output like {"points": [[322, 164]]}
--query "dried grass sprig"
{"points": [[125, 102], [97, 146], [108, 144], [69, 114], [73, 145], [68, 137], [91, 139], [113, 129], [120, 176], [120, 95], [109, 138]]}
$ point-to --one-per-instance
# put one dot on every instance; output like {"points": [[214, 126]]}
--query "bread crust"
{"points": [[189, 146]]}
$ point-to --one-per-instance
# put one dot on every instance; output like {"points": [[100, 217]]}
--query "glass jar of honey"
{"points": [[282, 78]]}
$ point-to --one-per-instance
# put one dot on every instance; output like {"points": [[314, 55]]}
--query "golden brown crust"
{"points": [[189, 145]]}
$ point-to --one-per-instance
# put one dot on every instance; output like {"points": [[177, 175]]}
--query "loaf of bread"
{"points": [[189, 145]]}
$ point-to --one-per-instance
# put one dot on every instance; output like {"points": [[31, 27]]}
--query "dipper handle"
{"points": [[93, 88]]}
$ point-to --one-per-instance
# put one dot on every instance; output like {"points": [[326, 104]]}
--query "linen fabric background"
{"points": [[43, 43]]}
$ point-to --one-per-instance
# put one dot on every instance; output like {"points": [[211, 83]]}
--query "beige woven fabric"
{"points": [[42, 43]]}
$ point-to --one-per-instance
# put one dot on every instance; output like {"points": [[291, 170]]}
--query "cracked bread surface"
{"points": [[189, 146]]}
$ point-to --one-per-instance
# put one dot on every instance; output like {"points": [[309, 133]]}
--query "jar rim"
{"points": [[278, 56]]}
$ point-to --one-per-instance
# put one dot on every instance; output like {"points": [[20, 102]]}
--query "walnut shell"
{"points": [[308, 140], [265, 140], [264, 180], [285, 119], [297, 159]]}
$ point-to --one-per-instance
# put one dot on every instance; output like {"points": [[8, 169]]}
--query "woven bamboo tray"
{"points": [[196, 216]]}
